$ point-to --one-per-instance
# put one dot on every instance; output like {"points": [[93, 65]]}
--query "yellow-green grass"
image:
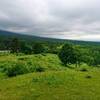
{"points": [[53, 84], [47, 61]]}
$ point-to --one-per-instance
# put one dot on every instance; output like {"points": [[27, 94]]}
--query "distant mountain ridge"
{"points": [[7, 34]]}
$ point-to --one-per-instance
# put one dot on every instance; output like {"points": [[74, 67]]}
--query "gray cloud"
{"points": [[74, 19]]}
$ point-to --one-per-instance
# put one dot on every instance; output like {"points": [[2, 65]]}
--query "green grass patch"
{"points": [[46, 79], [51, 85]]}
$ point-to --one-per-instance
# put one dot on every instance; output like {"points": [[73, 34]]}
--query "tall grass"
{"points": [[14, 65]]}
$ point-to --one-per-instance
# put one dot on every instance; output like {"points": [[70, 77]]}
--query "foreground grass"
{"points": [[56, 83], [60, 85], [47, 61], [52, 85]]}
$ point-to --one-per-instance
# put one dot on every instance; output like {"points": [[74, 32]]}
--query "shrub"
{"points": [[16, 69], [4, 66], [83, 70], [43, 54], [32, 67], [88, 76], [23, 58], [39, 69], [36, 68]]}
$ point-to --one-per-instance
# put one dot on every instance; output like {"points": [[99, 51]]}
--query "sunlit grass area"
{"points": [[55, 82]]}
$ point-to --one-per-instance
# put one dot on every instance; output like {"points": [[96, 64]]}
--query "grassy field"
{"points": [[56, 82]]}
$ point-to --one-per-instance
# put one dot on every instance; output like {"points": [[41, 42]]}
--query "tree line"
{"points": [[68, 53], [71, 54], [15, 45]]}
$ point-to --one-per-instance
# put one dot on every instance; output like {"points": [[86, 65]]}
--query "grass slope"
{"points": [[53, 84], [60, 85]]}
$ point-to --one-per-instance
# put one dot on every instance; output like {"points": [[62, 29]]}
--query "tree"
{"points": [[25, 48], [38, 48], [15, 45], [53, 48], [96, 58], [78, 56], [67, 54]]}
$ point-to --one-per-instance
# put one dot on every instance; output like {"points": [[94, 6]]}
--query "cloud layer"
{"points": [[68, 19]]}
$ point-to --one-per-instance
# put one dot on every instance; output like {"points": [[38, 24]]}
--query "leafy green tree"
{"points": [[38, 48], [96, 58], [15, 45], [25, 48], [53, 48], [67, 54], [77, 56]]}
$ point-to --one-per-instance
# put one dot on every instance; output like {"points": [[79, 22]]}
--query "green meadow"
{"points": [[45, 78]]}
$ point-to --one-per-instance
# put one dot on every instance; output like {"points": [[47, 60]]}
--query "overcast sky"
{"points": [[68, 19]]}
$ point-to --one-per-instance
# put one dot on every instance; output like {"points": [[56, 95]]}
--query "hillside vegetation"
{"points": [[49, 70], [55, 83]]}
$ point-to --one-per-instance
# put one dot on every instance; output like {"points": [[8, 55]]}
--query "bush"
{"points": [[36, 68], [4, 66], [88, 76], [39, 69], [23, 58], [16, 69], [83, 70]]}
